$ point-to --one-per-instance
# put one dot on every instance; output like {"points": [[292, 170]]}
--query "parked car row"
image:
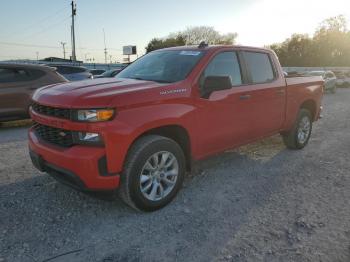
{"points": [[73, 73], [77, 73], [19, 81], [109, 73], [333, 80]]}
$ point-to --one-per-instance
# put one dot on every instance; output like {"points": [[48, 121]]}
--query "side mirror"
{"points": [[215, 83]]}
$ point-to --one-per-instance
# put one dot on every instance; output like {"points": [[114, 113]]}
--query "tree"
{"points": [[336, 23], [157, 43], [195, 35], [332, 42], [192, 36], [330, 46], [295, 51]]}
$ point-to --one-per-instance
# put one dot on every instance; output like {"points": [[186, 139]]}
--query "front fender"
{"points": [[130, 124]]}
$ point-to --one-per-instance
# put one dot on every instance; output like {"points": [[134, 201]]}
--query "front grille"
{"points": [[54, 135], [51, 111]]}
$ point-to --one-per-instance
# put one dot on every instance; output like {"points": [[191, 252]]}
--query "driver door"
{"points": [[224, 119]]}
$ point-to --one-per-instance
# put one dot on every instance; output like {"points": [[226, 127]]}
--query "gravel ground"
{"points": [[261, 202]]}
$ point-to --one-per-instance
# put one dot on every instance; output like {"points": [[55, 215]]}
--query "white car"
{"points": [[343, 79], [330, 80]]}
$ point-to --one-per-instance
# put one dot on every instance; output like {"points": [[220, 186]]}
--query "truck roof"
{"points": [[214, 47]]}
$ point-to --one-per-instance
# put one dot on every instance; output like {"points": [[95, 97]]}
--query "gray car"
{"points": [[73, 73], [17, 84]]}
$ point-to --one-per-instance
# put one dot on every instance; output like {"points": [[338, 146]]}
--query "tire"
{"points": [[334, 89], [292, 139], [143, 169]]}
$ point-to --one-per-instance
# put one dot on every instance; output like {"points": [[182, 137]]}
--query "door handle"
{"points": [[244, 97], [280, 91]]}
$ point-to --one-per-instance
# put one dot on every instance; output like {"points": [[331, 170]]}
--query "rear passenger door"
{"points": [[14, 87], [266, 93]]}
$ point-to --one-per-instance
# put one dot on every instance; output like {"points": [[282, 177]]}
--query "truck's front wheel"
{"points": [[153, 173], [299, 136]]}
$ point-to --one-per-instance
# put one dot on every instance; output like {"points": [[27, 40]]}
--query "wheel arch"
{"points": [[175, 132], [310, 105]]}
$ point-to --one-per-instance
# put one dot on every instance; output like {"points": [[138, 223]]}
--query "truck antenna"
{"points": [[202, 44]]}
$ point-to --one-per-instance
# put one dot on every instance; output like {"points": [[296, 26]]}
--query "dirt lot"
{"points": [[259, 203]]}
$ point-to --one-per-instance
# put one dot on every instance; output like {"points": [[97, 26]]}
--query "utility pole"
{"points": [[74, 12], [64, 49], [104, 39], [86, 59], [37, 56]]}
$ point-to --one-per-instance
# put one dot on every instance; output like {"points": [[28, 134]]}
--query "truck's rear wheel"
{"points": [[153, 173], [300, 134]]}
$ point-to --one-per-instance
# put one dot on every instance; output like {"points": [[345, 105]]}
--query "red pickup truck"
{"points": [[141, 132]]}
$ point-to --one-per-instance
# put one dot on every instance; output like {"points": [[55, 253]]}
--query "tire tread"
{"points": [[289, 138], [134, 152]]}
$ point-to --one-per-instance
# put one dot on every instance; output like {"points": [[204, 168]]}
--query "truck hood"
{"points": [[99, 93]]}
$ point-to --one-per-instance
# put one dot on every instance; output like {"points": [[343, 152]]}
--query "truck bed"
{"points": [[303, 80]]}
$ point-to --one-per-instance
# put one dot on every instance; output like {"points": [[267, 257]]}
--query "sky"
{"points": [[35, 28]]}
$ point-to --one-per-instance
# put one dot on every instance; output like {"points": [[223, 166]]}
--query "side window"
{"points": [[260, 67], [63, 70], [225, 64], [329, 75], [36, 74], [75, 70], [8, 75]]}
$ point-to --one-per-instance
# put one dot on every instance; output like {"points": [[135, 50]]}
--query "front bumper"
{"points": [[81, 167]]}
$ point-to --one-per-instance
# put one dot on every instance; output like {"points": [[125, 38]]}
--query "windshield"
{"points": [[108, 73], [163, 66]]}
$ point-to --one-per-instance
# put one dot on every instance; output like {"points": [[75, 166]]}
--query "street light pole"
{"points": [[64, 49], [86, 56], [104, 39], [74, 12]]}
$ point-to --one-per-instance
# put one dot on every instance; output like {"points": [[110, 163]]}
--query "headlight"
{"points": [[95, 115]]}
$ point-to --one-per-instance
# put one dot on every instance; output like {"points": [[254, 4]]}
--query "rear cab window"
{"points": [[259, 66]]}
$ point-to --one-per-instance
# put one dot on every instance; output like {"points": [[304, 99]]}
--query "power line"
{"points": [[28, 45], [53, 47], [41, 21], [46, 28]]}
